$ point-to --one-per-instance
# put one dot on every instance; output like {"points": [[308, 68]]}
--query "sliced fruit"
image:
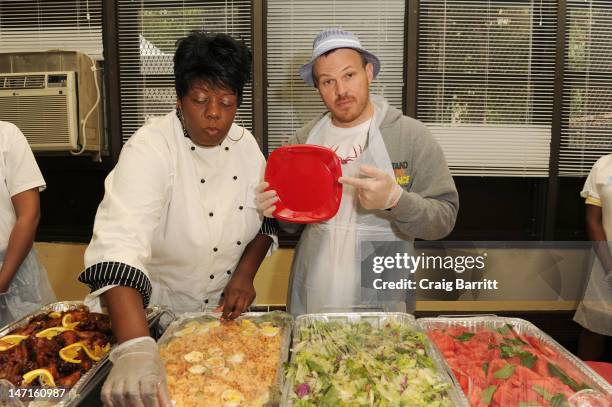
{"points": [[8, 341], [51, 332], [54, 314], [67, 322], [70, 353], [45, 376], [97, 352]]}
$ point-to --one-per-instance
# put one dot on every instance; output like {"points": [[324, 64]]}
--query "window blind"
{"points": [[485, 83], [291, 28], [35, 26], [586, 128], [148, 31]]}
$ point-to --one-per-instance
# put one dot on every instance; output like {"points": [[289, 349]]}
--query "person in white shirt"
{"points": [[594, 312], [178, 225], [24, 285]]}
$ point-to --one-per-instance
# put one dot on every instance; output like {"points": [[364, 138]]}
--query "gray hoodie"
{"points": [[428, 206]]}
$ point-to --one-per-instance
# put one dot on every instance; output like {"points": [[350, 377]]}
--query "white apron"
{"points": [[29, 290], [326, 270], [595, 310]]}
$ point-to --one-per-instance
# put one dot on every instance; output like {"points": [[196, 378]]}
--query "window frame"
{"points": [[557, 200]]}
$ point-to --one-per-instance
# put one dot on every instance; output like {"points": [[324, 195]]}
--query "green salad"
{"points": [[355, 364]]}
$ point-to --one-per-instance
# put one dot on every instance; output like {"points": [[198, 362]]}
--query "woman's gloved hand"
{"points": [[138, 377], [265, 199], [380, 191]]}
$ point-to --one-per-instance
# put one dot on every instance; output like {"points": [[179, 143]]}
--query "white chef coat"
{"points": [[595, 310], [175, 217]]}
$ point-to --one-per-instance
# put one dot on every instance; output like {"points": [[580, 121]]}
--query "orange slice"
{"points": [[97, 352], [8, 341], [51, 332], [46, 378], [71, 352], [67, 322]]}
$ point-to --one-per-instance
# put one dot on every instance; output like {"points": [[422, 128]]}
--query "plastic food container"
{"points": [[374, 358], [214, 363], [510, 362]]}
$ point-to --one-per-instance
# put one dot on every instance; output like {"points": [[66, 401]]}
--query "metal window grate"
{"points": [[148, 31], [291, 28], [586, 126], [485, 83], [38, 26]]}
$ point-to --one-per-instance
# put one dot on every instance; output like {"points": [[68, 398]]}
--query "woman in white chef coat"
{"points": [[178, 225], [24, 285], [594, 312]]}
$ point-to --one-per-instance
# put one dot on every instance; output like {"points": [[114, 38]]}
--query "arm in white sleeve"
{"points": [[136, 193]]}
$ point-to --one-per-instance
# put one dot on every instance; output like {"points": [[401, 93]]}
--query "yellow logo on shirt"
{"points": [[401, 178]]}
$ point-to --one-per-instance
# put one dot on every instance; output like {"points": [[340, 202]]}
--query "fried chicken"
{"points": [[44, 352]]}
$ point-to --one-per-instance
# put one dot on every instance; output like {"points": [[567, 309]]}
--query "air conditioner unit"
{"points": [[44, 107]]}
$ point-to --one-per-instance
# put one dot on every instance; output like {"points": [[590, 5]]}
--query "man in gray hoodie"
{"points": [[397, 186]]}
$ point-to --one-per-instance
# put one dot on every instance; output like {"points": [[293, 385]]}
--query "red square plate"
{"points": [[305, 177]]}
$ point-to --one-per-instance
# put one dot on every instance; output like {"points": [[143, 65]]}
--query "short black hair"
{"points": [[364, 61], [217, 59]]}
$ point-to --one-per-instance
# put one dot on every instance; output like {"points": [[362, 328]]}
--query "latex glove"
{"points": [[238, 294], [138, 377], [380, 191], [265, 199]]}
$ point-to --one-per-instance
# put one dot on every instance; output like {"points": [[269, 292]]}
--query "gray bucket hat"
{"points": [[335, 38]]}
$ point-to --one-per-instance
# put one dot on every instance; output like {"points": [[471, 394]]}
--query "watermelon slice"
{"points": [[502, 368]]}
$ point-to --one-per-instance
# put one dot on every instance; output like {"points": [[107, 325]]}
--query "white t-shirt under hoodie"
{"points": [[347, 142]]}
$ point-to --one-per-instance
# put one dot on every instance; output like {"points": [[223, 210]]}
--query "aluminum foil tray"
{"points": [[88, 381], [521, 326], [279, 317], [378, 320]]}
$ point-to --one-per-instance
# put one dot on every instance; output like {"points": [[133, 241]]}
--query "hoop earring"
{"points": [[239, 138], [179, 114]]}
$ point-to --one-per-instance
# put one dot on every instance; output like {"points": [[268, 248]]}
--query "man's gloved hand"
{"points": [[265, 199], [380, 191], [138, 377]]}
